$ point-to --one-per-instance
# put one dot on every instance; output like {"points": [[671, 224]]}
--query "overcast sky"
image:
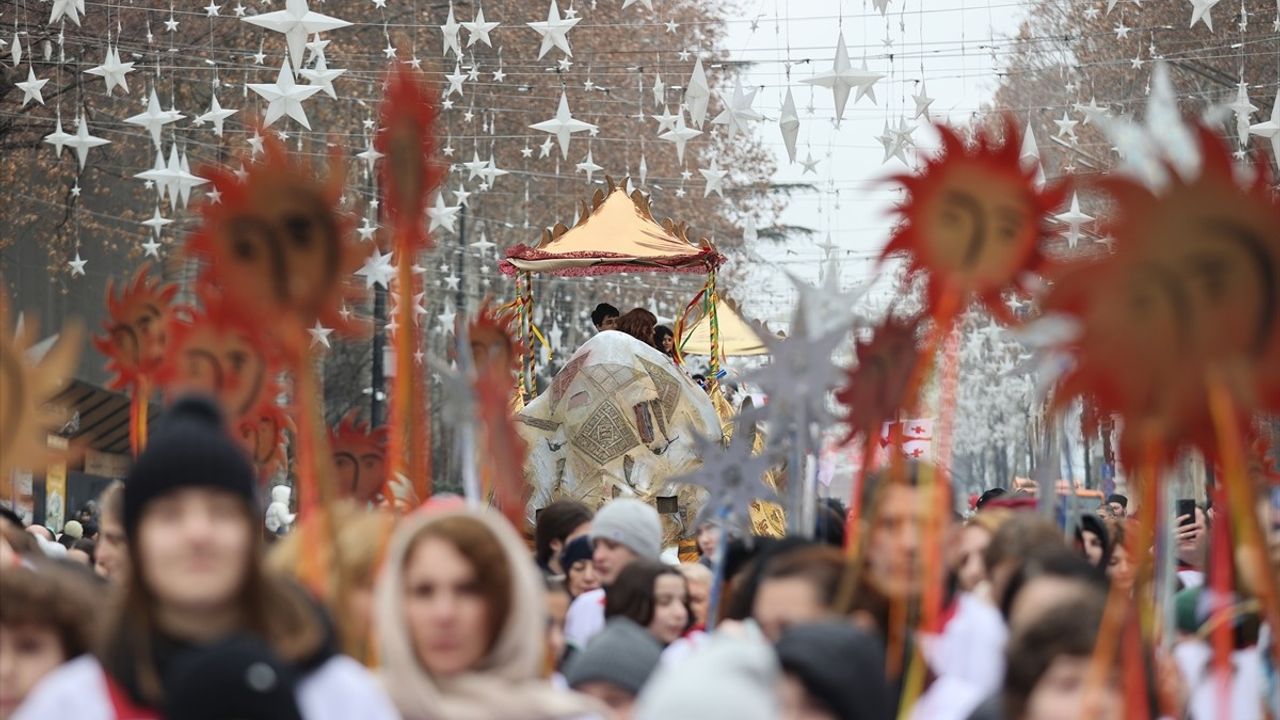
{"points": [[948, 43]]}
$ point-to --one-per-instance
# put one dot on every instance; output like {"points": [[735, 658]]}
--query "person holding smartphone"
{"points": [[1193, 543]]}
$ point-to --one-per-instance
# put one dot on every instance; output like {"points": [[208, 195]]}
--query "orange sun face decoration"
{"points": [[25, 391], [218, 352], [493, 345], [360, 454], [1192, 290], [407, 142], [276, 245], [263, 434], [974, 220], [138, 318], [877, 385]]}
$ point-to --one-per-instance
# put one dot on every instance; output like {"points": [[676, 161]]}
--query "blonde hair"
{"points": [[695, 573]]}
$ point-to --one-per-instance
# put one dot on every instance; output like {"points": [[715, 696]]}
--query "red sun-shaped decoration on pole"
{"points": [[135, 343], [137, 318], [1189, 300], [360, 454], [406, 141], [277, 247], [216, 351], [875, 391], [973, 221], [493, 343]]}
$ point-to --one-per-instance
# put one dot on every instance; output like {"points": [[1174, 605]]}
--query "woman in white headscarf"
{"points": [[462, 622]]}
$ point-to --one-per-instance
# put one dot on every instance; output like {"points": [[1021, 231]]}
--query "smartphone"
{"points": [[1186, 511]]}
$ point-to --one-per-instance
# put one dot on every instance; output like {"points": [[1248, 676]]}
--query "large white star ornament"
{"points": [[680, 135], [216, 115], [478, 29], [737, 111], [296, 22], [82, 141], [31, 87], [789, 124], [1270, 130], [284, 97], [154, 119], [112, 71], [563, 125], [843, 77], [554, 31]]}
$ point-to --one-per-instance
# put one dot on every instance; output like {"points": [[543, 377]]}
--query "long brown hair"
{"points": [[270, 608], [488, 561], [639, 324]]}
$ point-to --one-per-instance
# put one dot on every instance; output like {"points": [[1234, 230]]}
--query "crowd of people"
{"points": [[187, 608]]}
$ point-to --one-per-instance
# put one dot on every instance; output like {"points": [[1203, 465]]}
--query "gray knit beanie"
{"points": [[631, 523], [623, 654]]}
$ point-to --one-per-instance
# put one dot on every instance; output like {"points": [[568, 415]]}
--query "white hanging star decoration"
{"points": [[680, 135], [151, 248], [58, 137], [321, 76], [478, 29], [697, 93], [647, 3], [370, 155], [1066, 126], [216, 115], [443, 216], [449, 31], [588, 166], [1202, 10], [842, 78], [31, 87], [666, 121], [644, 170], [922, 101], [564, 124], [320, 335], [714, 177], [284, 97], [1270, 129], [82, 141], [789, 124], [659, 91], [1243, 110], [483, 244], [554, 31], [70, 9], [77, 265], [1163, 139], [737, 111], [112, 71], [377, 269], [296, 22], [491, 172], [157, 223], [810, 165], [154, 119], [456, 78], [1074, 219], [1029, 155]]}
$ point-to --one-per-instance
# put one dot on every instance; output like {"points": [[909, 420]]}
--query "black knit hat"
{"points": [[840, 666], [189, 448], [577, 549]]}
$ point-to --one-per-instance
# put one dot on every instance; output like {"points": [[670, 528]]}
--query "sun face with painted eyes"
{"points": [[973, 220], [216, 351], [877, 385], [137, 320], [494, 348], [360, 455], [1192, 290], [276, 243]]}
